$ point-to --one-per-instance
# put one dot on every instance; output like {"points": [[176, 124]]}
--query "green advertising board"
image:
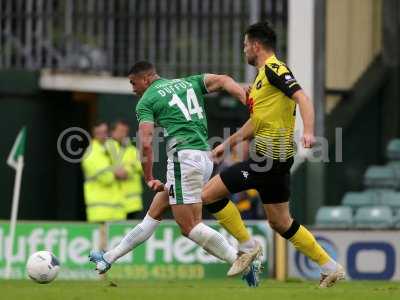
{"points": [[70, 242], [166, 255]]}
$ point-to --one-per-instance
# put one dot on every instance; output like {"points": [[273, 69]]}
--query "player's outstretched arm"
{"points": [[245, 132], [307, 114], [215, 83], [146, 131]]}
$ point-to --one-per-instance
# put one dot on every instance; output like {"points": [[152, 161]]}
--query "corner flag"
{"points": [[17, 150], [16, 161]]}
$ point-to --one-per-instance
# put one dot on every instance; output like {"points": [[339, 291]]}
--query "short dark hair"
{"points": [[263, 33], [98, 123], [141, 66], [119, 122]]}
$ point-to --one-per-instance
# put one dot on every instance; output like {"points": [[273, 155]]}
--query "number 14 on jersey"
{"points": [[192, 107]]}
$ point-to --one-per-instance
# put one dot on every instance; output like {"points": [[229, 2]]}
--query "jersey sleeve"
{"points": [[144, 111], [198, 81], [282, 78]]}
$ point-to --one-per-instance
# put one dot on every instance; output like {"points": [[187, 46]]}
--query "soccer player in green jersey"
{"points": [[177, 106]]}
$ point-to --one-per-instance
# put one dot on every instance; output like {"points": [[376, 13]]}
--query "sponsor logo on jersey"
{"points": [[259, 85], [289, 79], [245, 174], [275, 67]]}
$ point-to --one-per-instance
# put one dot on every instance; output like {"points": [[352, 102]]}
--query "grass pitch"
{"points": [[221, 289]]}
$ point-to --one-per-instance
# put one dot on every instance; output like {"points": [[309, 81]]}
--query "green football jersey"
{"points": [[177, 105]]}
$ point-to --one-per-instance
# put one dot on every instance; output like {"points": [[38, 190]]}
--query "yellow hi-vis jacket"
{"points": [[127, 156], [101, 189]]}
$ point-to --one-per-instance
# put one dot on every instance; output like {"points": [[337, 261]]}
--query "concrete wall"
{"points": [[353, 39]]}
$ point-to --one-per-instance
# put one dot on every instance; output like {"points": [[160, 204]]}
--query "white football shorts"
{"points": [[187, 172]]}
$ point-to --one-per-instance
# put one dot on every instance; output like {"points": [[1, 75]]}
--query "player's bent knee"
{"points": [[213, 191], [205, 196], [185, 231], [273, 224], [280, 226], [208, 194], [186, 228]]}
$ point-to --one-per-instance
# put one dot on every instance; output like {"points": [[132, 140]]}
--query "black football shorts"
{"points": [[271, 178]]}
